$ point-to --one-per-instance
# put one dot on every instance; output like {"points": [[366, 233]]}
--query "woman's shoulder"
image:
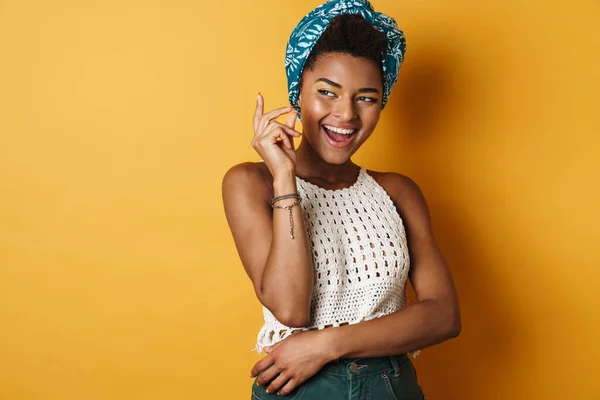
{"points": [[394, 182], [248, 170], [248, 177], [410, 204], [401, 188]]}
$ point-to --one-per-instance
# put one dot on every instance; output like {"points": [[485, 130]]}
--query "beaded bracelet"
{"points": [[289, 208]]}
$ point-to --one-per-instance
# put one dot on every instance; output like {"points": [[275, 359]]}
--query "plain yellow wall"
{"points": [[118, 119]]}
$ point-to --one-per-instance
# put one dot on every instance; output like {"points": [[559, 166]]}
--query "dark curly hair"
{"points": [[349, 34]]}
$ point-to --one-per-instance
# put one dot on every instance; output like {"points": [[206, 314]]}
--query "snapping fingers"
{"points": [[268, 118], [283, 132]]}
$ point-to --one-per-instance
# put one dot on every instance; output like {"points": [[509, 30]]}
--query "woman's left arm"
{"points": [[434, 318]]}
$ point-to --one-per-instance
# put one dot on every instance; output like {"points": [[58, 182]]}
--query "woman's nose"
{"points": [[345, 109]]}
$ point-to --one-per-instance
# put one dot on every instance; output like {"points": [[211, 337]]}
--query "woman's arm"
{"points": [[280, 267], [435, 317]]}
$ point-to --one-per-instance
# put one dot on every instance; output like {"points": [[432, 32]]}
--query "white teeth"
{"points": [[340, 130]]}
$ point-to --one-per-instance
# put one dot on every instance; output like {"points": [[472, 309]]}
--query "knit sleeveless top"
{"points": [[360, 257]]}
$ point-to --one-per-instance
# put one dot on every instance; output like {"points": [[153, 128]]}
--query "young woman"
{"points": [[328, 244]]}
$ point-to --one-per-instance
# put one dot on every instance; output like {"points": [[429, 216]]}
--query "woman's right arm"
{"points": [[280, 267]]}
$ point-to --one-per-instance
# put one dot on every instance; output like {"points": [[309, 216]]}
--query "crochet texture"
{"points": [[360, 257]]}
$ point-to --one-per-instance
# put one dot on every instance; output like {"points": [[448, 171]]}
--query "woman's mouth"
{"points": [[339, 137]]}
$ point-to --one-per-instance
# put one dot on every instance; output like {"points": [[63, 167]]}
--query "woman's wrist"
{"points": [[284, 183], [332, 343]]}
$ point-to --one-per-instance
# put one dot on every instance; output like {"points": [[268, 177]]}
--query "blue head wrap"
{"points": [[309, 30]]}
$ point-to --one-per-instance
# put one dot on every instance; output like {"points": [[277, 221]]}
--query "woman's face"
{"points": [[340, 102]]}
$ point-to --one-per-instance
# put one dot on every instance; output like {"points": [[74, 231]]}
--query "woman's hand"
{"points": [[293, 361], [274, 141]]}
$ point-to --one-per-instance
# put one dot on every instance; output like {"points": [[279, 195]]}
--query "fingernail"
{"points": [[268, 391]]}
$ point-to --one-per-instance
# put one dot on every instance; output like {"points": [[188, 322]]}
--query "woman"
{"points": [[329, 245]]}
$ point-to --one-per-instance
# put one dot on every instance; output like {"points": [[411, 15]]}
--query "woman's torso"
{"points": [[360, 256]]}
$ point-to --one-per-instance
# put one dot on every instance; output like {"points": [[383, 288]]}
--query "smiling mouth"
{"points": [[339, 135]]}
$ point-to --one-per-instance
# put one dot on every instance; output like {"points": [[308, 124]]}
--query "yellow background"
{"points": [[118, 119]]}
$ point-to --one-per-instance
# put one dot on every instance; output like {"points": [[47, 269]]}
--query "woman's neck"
{"points": [[309, 164]]}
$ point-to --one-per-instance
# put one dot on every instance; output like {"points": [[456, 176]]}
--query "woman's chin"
{"points": [[334, 157], [327, 152]]}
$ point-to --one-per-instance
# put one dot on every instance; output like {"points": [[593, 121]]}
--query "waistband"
{"points": [[365, 366]]}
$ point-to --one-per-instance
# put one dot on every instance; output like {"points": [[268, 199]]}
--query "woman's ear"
{"points": [[300, 107]]}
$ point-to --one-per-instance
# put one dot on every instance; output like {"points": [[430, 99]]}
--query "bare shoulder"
{"points": [[403, 190], [248, 179], [410, 203]]}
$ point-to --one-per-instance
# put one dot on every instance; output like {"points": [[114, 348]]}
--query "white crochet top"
{"points": [[360, 257]]}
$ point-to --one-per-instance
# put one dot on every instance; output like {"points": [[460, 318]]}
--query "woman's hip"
{"points": [[375, 378]]}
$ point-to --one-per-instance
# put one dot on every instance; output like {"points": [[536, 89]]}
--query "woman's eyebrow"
{"points": [[368, 90], [329, 82], [337, 85]]}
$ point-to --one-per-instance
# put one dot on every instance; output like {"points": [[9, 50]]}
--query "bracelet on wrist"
{"points": [[290, 216], [284, 197]]}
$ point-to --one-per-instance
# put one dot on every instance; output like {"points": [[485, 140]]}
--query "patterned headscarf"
{"points": [[309, 30]]}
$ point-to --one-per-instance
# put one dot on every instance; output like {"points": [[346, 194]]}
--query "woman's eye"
{"points": [[326, 92], [368, 99]]}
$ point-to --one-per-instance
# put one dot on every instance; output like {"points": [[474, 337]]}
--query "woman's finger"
{"points": [[278, 383], [269, 349], [261, 365], [268, 375], [291, 119], [276, 125], [289, 386], [268, 117], [285, 133], [285, 139], [260, 109]]}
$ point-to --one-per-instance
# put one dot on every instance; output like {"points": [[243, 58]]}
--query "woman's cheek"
{"points": [[371, 116], [319, 106]]}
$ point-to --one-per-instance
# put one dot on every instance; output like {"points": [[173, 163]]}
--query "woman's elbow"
{"points": [[293, 317], [294, 320], [453, 325], [455, 329]]}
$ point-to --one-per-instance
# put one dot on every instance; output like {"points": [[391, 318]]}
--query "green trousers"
{"points": [[377, 378]]}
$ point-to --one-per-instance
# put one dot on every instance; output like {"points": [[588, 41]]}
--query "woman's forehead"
{"points": [[345, 70]]}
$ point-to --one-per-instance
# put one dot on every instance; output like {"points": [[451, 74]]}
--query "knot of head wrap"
{"points": [[308, 31]]}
